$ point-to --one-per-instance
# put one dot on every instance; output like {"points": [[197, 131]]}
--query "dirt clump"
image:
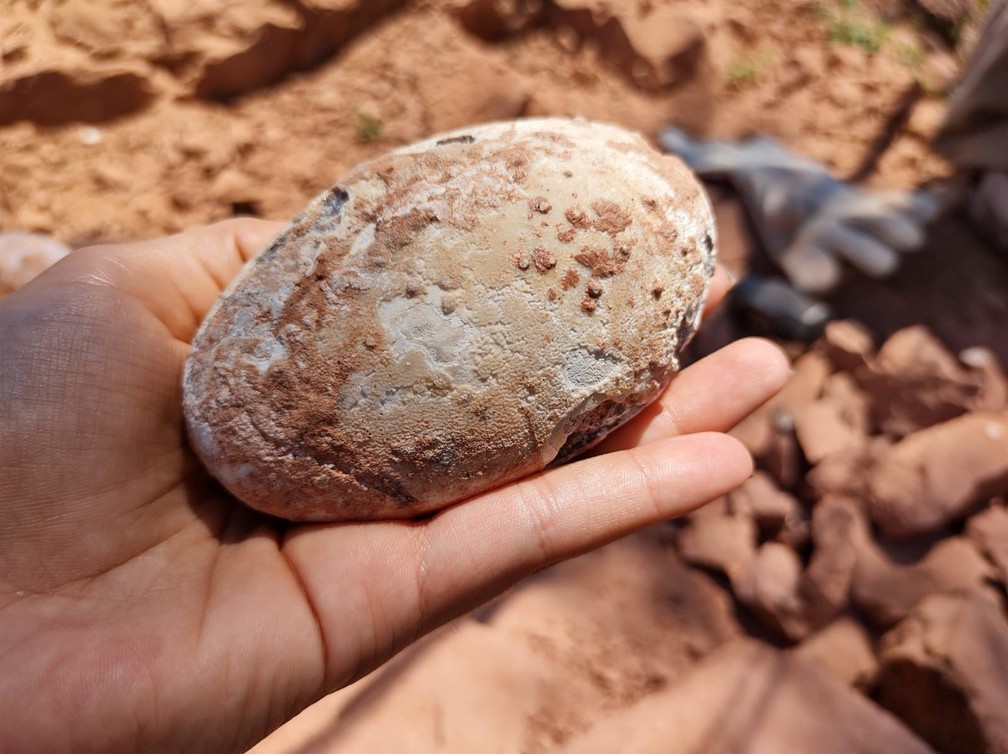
{"points": [[938, 673]]}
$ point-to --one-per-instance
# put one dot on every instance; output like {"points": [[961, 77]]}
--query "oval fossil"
{"points": [[449, 317]]}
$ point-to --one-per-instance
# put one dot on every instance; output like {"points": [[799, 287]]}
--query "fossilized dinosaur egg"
{"points": [[450, 317]]}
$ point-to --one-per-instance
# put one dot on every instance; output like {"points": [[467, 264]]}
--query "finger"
{"points": [[421, 575], [177, 278], [862, 250], [572, 509], [810, 268], [712, 395]]}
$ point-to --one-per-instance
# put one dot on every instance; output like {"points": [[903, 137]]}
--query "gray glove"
{"points": [[808, 221]]}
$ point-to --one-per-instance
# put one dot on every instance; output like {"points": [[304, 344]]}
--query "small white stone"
{"points": [[90, 135]]}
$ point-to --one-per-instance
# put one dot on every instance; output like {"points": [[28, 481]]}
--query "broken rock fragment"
{"points": [[937, 475], [886, 591], [943, 673], [989, 532], [915, 382], [844, 650]]}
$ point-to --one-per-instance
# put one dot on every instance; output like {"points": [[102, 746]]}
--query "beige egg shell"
{"points": [[450, 317]]}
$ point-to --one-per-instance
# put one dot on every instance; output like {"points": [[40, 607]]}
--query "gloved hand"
{"points": [[808, 221]]}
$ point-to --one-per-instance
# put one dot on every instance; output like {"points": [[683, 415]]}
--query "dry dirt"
{"points": [[851, 596]]}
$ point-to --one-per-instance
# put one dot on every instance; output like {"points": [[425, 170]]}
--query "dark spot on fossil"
{"points": [[593, 426], [541, 205], [465, 139], [332, 205]]}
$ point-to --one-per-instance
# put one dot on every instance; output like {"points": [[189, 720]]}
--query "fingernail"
{"points": [[732, 279]]}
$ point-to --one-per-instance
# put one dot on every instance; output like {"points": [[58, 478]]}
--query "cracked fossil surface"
{"points": [[449, 317]]}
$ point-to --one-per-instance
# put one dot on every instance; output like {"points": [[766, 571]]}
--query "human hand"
{"points": [[144, 609], [808, 221]]}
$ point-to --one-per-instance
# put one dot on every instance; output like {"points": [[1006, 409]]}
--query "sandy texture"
{"points": [[206, 109]]}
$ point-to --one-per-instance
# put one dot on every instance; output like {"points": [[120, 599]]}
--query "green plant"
{"points": [[910, 54], [866, 35], [369, 128], [742, 72], [852, 26]]}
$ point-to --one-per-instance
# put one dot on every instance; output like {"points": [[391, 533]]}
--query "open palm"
{"points": [[142, 608]]}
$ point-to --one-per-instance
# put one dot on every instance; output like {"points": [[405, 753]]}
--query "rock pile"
{"points": [[887, 472], [879, 632]]}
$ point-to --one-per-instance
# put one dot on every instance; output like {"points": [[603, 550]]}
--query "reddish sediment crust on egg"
{"points": [[450, 317]]}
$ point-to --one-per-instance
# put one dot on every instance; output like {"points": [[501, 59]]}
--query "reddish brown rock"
{"points": [[847, 344], [989, 532], [496, 19], [838, 530], [986, 370], [822, 431], [916, 383], [717, 538], [749, 698], [105, 27], [62, 63], [886, 592], [936, 476], [61, 92], [943, 671], [844, 650], [850, 402], [96, 60], [775, 512], [221, 50], [844, 474], [792, 601], [768, 586], [781, 457], [482, 91], [656, 45]]}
